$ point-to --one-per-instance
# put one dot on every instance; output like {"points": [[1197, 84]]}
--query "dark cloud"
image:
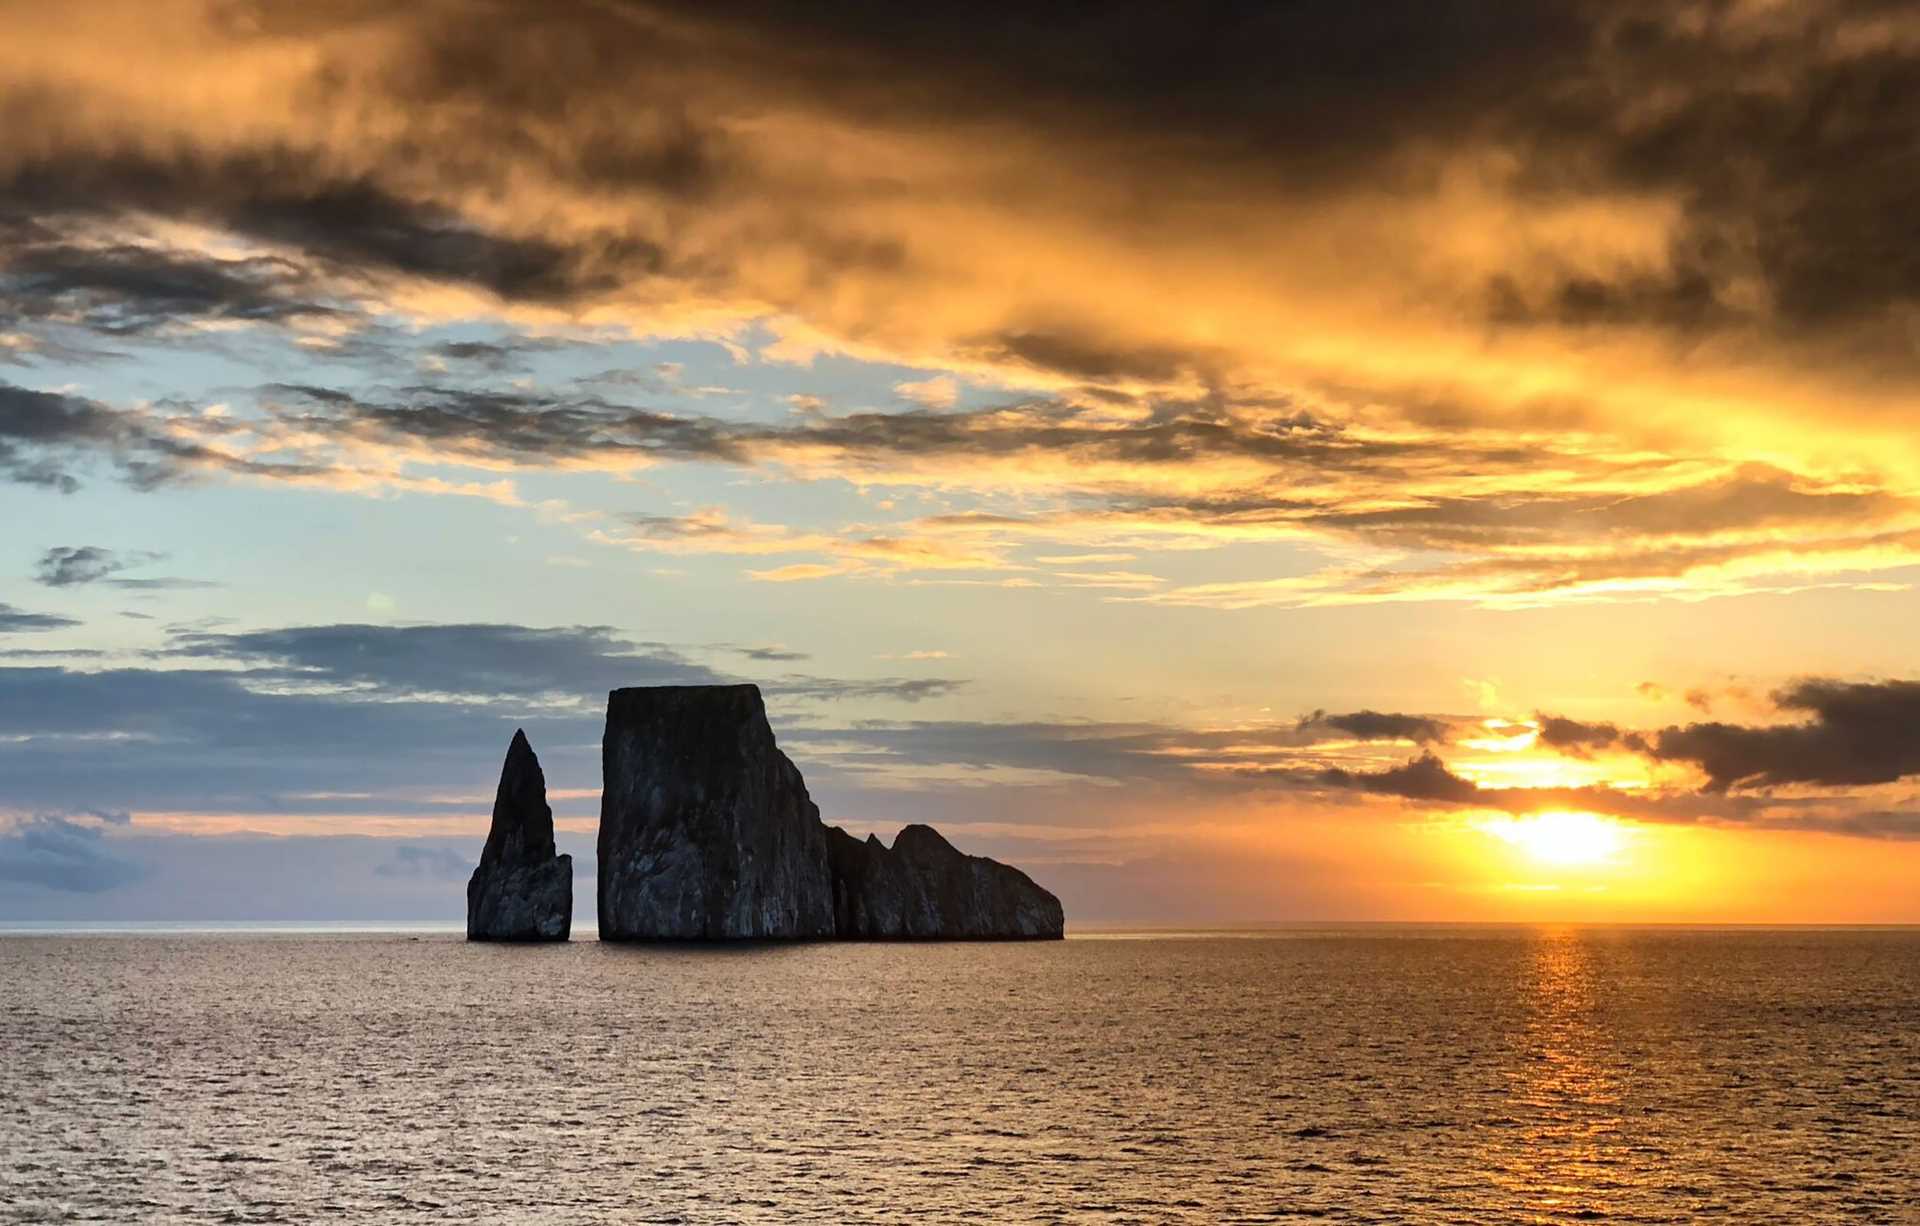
{"points": [[1380, 726], [1790, 158], [1081, 357], [1857, 733], [1229, 82], [122, 290], [346, 225], [262, 719], [1783, 136], [38, 430], [266, 721], [488, 357], [482, 353], [1171, 431], [69, 565], [773, 654], [1683, 301], [18, 621], [1425, 778], [505, 660], [497, 424], [797, 686], [222, 740], [416, 860], [46, 436], [1571, 736], [66, 852], [1877, 824], [1777, 138], [1428, 780], [480, 659], [76, 565]]}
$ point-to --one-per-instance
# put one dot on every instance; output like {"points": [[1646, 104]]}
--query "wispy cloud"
{"points": [[19, 621]]}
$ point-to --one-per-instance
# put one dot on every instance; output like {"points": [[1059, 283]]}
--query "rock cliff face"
{"points": [[706, 829], [707, 833], [522, 890], [923, 888]]}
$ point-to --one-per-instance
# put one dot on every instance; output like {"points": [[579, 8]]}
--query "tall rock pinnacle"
{"points": [[522, 890]]}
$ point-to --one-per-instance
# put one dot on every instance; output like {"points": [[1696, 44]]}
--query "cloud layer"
{"points": [[1500, 308]]}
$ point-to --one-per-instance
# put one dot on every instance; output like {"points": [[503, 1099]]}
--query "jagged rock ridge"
{"points": [[522, 890], [924, 888], [707, 833]]}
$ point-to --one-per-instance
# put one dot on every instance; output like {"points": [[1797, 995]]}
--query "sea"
{"points": [[1365, 1074]]}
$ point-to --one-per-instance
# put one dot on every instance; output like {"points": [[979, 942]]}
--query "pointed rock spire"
{"points": [[522, 890]]}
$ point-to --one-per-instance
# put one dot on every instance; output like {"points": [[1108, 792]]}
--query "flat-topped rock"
{"points": [[707, 833], [522, 889], [706, 828], [924, 888]]}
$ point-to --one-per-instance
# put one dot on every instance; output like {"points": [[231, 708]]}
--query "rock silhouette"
{"points": [[923, 888], [522, 890], [706, 829], [707, 833]]}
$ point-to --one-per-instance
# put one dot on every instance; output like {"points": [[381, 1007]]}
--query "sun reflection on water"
{"points": [[1564, 1151]]}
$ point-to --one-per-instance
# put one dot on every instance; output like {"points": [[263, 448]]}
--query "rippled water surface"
{"points": [[1380, 1075]]}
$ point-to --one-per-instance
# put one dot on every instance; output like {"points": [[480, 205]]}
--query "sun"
{"points": [[1567, 838]]}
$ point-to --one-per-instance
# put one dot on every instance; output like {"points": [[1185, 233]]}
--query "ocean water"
{"points": [[1371, 1075]]}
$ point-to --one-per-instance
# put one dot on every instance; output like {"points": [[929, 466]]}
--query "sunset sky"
{"points": [[1413, 460]]}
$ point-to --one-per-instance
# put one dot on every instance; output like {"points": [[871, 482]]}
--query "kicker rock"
{"points": [[923, 888], [706, 829], [522, 890]]}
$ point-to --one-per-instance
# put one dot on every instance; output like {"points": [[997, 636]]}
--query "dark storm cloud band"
{"points": [[1778, 133]]}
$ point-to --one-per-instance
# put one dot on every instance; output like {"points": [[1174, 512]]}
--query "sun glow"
{"points": [[1563, 838]]}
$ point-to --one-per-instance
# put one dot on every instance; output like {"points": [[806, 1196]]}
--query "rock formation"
{"points": [[923, 888], [522, 890], [707, 833], [706, 830]]}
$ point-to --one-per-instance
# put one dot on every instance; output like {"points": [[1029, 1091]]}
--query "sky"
{"points": [[1421, 460]]}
